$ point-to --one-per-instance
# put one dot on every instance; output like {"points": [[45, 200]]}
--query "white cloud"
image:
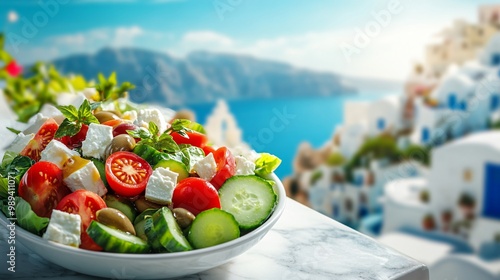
{"points": [[12, 16], [96, 38], [389, 55], [206, 39]]}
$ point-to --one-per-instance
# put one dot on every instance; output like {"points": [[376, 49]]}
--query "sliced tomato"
{"points": [[226, 166], [42, 187], [42, 138], [194, 138], [127, 173], [86, 204], [208, 149], [195, 195]]}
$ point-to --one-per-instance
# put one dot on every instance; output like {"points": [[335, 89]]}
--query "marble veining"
{"points": [[302, 245]]}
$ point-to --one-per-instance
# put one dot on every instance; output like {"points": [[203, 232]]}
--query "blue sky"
{"points": [[308, 34]]}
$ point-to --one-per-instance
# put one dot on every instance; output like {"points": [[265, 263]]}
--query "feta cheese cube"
{"points": [[206, 168], [65, 99], [20, 142], [57, 153], [86, 178], [130, 115], [145, 116], [64, 228], [35, 123], [161, 186], [244, 166], [98, 138], [50, 111]]}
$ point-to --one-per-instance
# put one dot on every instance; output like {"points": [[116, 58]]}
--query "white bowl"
{"points": [[148, 266]]}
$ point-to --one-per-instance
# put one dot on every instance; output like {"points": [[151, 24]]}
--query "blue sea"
{"points": [[279, 125]]}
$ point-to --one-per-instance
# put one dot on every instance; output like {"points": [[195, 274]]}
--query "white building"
{"points": [[351, 138], [222, 128], [385, 115], [490, 56]]}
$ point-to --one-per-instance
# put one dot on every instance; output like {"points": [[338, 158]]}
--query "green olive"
{"points": [[116, 219], [142, 204], [104, 116], [184, 217], [122, 142]]}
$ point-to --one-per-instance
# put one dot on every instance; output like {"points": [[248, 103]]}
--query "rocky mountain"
{"points": [[202, 76]]}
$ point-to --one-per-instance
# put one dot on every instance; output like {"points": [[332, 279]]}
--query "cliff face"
{"points": [[202, 76]]}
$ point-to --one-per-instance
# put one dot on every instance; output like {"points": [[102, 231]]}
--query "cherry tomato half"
{"points": [[42, 187], [208, 150], [226, 166], [86, 204], [195, 138], [127, 173], [42, 138], [195, 195]]}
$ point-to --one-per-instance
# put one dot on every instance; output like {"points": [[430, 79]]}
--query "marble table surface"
{"points": [[302, 245]]}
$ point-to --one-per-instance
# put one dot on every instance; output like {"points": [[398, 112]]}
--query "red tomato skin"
{"points": [[86, 204], [123, 188], [42, 138], [195, 195], [43, 188], [195, 138], [226, 167], [208, 149], [76, 140]]}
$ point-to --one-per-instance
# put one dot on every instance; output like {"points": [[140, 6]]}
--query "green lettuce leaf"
{"points": [[25, 217], [266, 164]]}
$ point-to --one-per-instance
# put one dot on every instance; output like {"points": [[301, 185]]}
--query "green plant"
{"points": [[317, 174], [417, 153], [383, 146], [425, 196], [27, 92], [335, 159], [466, 200], [497, 237]]}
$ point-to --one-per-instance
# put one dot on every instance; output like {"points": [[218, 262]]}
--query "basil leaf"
{"points": [[85, 113], [153, 129], [167, 144], [194, 126], [15, 131], [70, 112], [15, 170], [68, 128], [193, 154], [266, 164]]}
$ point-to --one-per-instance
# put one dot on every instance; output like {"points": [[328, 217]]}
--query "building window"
{"points": [[495, 59], [467, 175], [425, 135], [452, 101], [495, 101], [381, 124], [463, 105]]}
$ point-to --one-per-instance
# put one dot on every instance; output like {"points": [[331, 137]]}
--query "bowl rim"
{"points": [[267, 225]]}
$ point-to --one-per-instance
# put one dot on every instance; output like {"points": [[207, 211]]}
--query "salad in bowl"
{"points": [[114, 179]]}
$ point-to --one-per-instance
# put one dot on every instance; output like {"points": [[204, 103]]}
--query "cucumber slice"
{"points": [[250, 199], [167, 231], [140, 221], [174, 166], [114, 240], [153, 237], [125, 206], [212, 227]]}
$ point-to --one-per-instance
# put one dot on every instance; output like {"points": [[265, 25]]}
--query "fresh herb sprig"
{"points": [[182, 126], [76, 118], [108, 90], [152, 137]]}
